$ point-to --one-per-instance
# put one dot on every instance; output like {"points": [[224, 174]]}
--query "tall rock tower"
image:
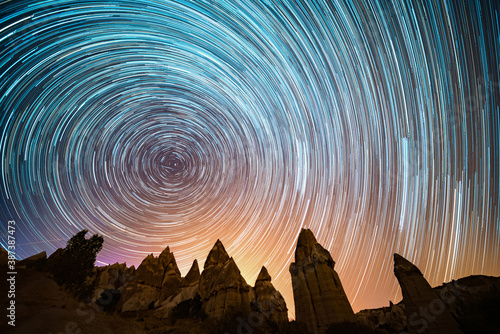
{"points": [[425, 311], [319, 297]]}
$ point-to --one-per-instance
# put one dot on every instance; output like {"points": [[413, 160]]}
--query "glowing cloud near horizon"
{"points": [[155, 123]]}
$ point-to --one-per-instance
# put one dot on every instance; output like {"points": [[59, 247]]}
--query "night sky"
{"points": [[376, 124]]}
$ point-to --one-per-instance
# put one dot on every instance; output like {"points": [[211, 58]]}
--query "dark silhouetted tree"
{"points": [[74, 266]]}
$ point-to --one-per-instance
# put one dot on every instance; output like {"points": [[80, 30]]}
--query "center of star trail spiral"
{"points": [[375, 124]]}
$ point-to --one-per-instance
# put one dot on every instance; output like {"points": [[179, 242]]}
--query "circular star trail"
{"points": [[375, 124]]}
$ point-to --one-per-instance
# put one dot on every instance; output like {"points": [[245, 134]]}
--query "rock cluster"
{"points": [[468, 305], [112, 277], [222, 289], [319, 297], [187, 289], [155, 279]]}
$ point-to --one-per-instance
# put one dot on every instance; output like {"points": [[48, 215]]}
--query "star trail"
{"points": [[376, 124]]}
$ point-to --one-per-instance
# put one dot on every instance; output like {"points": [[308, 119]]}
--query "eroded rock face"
{"points": [[112, 277], [222, 289], [425, 311], [158, 271], [268, 301], [171, 281], [155, 279], [319, 297], [391, 319], [187, 289], [136, 296]]}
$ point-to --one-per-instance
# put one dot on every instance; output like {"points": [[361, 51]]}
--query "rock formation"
{"points": [[112, 277], [193, 275], [468, 305], [32, 259], [391, 319], [319, 297], [161, 272], [155, 279], [474, 301], [222, 289], [425, 311], [187, 289], [268, 301]]}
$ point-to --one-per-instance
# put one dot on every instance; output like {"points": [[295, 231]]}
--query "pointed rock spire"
{"points": [[263, 276], [155, 279], [319, 297], [193, 275], [425, 311], [222, 288], [403, 267], [171, 273], [153, 270], [308, 249], [187, 289], [217, 255], [305, 244], [268, 301], [166, 259]]}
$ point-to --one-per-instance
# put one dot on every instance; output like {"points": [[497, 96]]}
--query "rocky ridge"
{"points": [[155, 291]]}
